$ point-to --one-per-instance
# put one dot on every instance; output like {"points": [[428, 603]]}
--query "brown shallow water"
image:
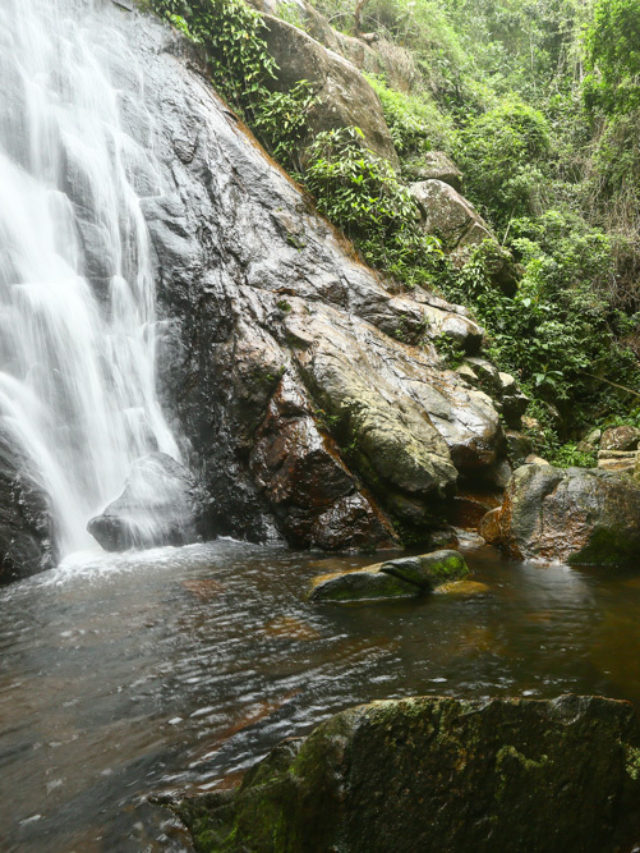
{"points": [[175, 669]]}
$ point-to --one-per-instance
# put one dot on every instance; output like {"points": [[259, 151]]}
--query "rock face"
{"points": [[576, 515], [312, 399], [27, 540], [344, 97], [433, 774], [160, 505]]}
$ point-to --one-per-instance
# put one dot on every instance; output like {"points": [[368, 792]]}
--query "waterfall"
{"points": [[77, 301]]}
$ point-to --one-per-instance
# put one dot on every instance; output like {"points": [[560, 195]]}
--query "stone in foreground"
{"points": [[433, 774], [159, 506], [583, 516]]}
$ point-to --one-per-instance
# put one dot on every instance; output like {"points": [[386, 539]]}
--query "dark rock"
{"points": [[27, 535], [431, 774], [583, 516], [519, 446], [428, 571], [314, 495], [160, 505], [620, 438]]}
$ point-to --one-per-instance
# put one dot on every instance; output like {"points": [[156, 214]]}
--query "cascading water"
{"points": [[77, 325]]}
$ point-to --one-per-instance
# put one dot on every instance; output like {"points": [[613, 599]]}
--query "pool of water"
{"points": [[176, 669]]}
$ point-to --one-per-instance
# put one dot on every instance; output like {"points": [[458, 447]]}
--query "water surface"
{"points": [[175, 669]]}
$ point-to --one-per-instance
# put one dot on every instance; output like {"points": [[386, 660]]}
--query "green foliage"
{"points": [[613, 50], [415, 122], [449, 350], [502, 153], [360, 193], [231, 35]]}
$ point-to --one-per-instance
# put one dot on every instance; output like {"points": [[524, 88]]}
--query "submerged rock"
{"points": [[27, 536], [160, 505], [583, 516], [433, 774]]}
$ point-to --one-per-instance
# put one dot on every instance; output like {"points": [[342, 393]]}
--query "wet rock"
{"points": [[346, 587], [160, 505], [462, 589], [576, 515], [399, 578], [622, 438], [432, 773], [27, 535], [313, 493], [344, 97], [253, 287], [428, 571]]}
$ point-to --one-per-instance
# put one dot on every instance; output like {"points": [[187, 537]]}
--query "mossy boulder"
{"points": [[583, 516], [428, 571], [432, 774], [361, 586], [405, 577]]}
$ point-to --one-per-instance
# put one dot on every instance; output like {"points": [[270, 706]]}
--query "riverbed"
{"points": [[175, 669]]}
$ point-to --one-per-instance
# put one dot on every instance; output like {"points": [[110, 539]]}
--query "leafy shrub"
{"points": [[360, 193], [499, 152], [415, 122]]}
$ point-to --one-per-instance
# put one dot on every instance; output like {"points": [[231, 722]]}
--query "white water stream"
{"points": [[77, 300]]}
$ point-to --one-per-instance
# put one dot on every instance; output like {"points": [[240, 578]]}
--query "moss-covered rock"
{"points": [[428, 571], [361, 586], [433, 774]]}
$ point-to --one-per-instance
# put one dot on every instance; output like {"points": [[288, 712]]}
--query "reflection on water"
{"points": [[176, 668]]}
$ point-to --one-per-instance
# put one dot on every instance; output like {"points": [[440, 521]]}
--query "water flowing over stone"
{"points": [[77, 322]]}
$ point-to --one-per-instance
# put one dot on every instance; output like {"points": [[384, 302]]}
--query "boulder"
{"points": [[404, 577], [160, 505], [428, 571], [27, 534], [365, 585], [314, 495], [343, 97], [462, 230], [449, 215], [623, 438], [435, 165], [576, 515], [432, 773]]}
